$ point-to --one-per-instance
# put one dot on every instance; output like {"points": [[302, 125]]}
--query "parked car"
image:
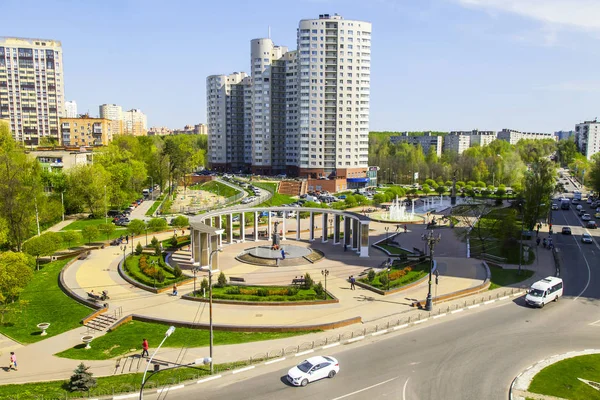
{"points": [[566, 230], [586, 217], [586, 238], [313, 369], [591, 225], [554, 206], [597, 215]]}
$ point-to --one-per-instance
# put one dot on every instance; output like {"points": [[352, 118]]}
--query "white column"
{"points": [[324, 228], [364, 239], [219, 226], [297, 225], [269, 233], [230, 224], [311, 227], [242, 227], [283, 225]]}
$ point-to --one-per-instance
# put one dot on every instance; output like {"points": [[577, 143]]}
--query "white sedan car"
{"points": [[586, 238], [586, 217], [313, 369]]}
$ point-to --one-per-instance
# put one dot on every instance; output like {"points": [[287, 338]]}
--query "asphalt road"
{"points": [[472, 355]]}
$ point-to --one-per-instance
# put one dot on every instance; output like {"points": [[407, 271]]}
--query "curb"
{"points": [[523, 380], [306, 352]]}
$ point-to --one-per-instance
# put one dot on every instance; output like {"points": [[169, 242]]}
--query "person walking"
{"points": [[544, 242], [145, 347], [282, 254], [175, 290], [126, 238], [13, 361], [352, 282], [405, 228], [537, 241]]}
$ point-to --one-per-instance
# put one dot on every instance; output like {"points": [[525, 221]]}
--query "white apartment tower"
{"points": [[228, 99], [31, 88], [70, 109], [334, 75], [587, 137], [306, 112], [111, 111]]}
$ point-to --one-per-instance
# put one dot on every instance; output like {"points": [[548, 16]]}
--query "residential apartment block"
{"points": [[303, 112], [135, 123], [564, 135], [85, 131], [512, 136], [459, 141], [427, 141], [70, 109], [62, 159], [31, 88], [587, 137]]}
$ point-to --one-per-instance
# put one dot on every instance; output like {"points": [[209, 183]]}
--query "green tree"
{"points": [[566, 151], [181, 222], [157, 225], [139, 249], [440, 189], [595, 173], [16, 271], [106, 229], [82, 379], [538, 188], [90, 185], [89, 233], [43, 245], [136, 227], [222, 280], [71, 236]]}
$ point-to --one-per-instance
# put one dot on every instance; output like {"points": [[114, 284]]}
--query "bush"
{"points": [[177, 271], [138, 249], [204, 284], [319, 290], [383, 279], [263, 292], [308, 282], [174, 241], [292, 291], [160, 276], [157, 251], [371, 275], [222, 280], [82, 380], [231, 290], [154, 241]]}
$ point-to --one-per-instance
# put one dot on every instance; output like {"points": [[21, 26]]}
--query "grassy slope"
{"points": [[43, 301], [129, 336], [560, 379], [505, 277], [217, 188], [277, 199]]}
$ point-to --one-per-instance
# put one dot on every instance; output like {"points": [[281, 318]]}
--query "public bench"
{"points": [[298, 281], [236, 279], [84, 255]]}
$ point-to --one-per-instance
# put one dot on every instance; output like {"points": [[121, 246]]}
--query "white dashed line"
{"points": [[237, 371], [400, 327], [379, 333], [457, 311], [489, 302], [503, 298], [211, 378], [473, 306], [330, 346], [421, 321], [170, 388], [355, 339], [303, 353], [439, 316], [275, 361]]}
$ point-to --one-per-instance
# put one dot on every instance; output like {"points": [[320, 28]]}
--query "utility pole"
{"points": [[431, 240], [37, 215]]}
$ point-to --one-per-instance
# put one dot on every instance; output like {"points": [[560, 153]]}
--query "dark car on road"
{"points": [[566, 230]]}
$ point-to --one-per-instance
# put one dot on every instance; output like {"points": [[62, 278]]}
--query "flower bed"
{"points": [[401, 274], [267, 293], [152, 271]]}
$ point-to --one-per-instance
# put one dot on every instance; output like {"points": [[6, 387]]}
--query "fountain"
{"points": [[397, 213]]}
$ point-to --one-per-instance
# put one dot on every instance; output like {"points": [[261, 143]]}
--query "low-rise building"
{"points": [[459, 141], [426, 141], [86, 131], [61, 158], [587, 137], [511, 136]]}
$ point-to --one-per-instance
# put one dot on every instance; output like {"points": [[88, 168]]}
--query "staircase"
{"points": [[103, 321], [133, 363], [291, 188]]}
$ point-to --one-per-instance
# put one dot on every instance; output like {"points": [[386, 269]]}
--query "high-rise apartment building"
{"points": [[111, 111], [459, 141], [70, 109], [512, 136], [587, 137], [308, 109], [426, 141], [135, 123], [31, 88]]}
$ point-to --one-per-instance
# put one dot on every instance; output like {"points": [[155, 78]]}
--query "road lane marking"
{"points": [[420, 321], [439, 316], [404, 389], [489, 302], [275, 361], [330, 346], [473, 306], [594, 323], [588, 268], [168, 389], [379, 333], [457, 311], [303, 353], [503, 298], [355, 339], [212, 378], [237, 371], [362, 390], [400, 327]]}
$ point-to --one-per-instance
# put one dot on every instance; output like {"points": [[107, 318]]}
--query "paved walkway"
{"points": [[99, 272]]}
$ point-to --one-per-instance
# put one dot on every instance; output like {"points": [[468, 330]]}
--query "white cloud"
{"points": [[579, 14]]}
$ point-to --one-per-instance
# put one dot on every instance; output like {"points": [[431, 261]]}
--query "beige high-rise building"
{"points": [[135, 123], [31, 88], [111, 111]]}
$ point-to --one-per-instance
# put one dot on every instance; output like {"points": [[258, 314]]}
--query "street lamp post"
{"points": [[168, 333], [325, 273], [388, 264], [521, 238], [146, 230], [330, 227], [431, 241], [105, 210], [210, 302]]}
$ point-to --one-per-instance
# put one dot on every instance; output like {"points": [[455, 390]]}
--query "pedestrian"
{"points": [[405, 228], [175, 232], [126, 238], [544, 242], [352, 282], [282, 254], [13, 361], [175, 290], [537, 241], [145, 347], [345, 247]]}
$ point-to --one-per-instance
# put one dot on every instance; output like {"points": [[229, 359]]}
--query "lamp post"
{"points": [[146, 230], [168, 333], [431, 241], [325, 273], [210, 312], [521, 238], [387, 228], [105, 210], [330, 227], [388, 264]]}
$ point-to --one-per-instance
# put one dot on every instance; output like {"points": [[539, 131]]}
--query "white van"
{"points": [[544, 291]]}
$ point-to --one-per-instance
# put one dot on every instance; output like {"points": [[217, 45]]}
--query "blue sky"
{"points": [[530, 65]]}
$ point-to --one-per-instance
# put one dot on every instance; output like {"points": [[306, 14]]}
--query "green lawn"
{"points": [[510, 252], [393, 249], [217, 188], [129, 336], [155, 205], [43, 301], [418, 271], [560, 379], [264, 293], [101, 237], [109, 385], [82, 223], [505, 277], [132, 268]]}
